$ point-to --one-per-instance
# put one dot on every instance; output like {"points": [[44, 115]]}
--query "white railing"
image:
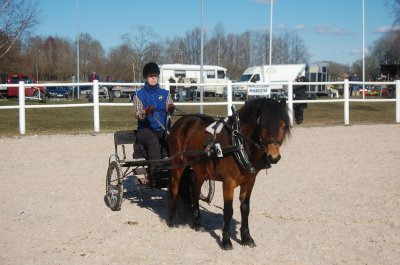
{"points": [[229, 102]]}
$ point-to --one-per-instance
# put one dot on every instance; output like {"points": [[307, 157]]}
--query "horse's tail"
{"points": [[185, 186]]}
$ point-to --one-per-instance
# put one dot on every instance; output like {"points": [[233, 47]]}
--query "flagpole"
{"points": [[270, 33], [201, 58], [77, 48], [363, 49]]}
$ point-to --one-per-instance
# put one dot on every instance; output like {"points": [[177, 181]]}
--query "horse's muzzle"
{"points": [[274, 160]]}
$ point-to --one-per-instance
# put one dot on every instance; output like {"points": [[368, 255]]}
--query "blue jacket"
{"points": [[156, 97]]}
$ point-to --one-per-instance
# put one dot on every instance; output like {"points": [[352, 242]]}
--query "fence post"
{"points": [[229, 97], [398, 101], [21, 98], [346, 102], [290, 101], [96, 115]]}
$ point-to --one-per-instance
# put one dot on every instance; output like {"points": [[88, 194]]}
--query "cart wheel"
{"points": [[114, 186], [207, 191], [117, 94]]}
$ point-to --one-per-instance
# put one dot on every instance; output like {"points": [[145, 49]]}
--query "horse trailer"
{"points": [[317, 72]]}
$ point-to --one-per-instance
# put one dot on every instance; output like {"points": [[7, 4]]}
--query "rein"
{"points": [[183, 113]]}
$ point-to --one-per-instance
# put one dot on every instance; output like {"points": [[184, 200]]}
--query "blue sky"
{"points": [[331, 29]]}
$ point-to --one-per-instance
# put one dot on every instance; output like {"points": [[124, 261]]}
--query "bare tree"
{"points": [[175, 51], [17, 17], [91, 55], [214, 49], [49, 58], [259, 47], [298, 50], [386, 48], [192, 44], [231, 61], [55, 56], [119, 63], [142, 43], [338, 71], [394, 7]]}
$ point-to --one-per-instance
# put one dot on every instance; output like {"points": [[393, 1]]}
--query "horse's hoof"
{"points": [[250, 243], [227, 245], [171, 223]]}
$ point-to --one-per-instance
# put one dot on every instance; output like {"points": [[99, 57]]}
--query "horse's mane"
{"points": [[270, 113]]}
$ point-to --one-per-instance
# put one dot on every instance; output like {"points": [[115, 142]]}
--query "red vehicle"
{"points": [[15, 79]]}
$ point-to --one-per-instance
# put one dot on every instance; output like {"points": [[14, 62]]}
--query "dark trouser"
{"points": [[151, 141], [298, 112], [187, 93], [172, 91]]}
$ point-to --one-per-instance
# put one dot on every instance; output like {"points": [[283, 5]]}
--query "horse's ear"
{"points": [[283, 102]]}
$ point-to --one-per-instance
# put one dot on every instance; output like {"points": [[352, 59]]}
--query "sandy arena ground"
{"points": [[334, 198]]}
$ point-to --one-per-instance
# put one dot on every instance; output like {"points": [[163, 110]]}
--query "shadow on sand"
{"points": [[156, 200]]}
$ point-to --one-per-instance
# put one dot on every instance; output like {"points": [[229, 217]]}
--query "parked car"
{"points": [[58, 92], [389, 92], [83, 90], [34, 91], [121, 91], [373, 90]]}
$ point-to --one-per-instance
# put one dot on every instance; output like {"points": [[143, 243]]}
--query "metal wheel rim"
{"points": [[112, 189]]}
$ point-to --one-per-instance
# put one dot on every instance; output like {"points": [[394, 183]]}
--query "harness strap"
{"points": [[241, 156]]}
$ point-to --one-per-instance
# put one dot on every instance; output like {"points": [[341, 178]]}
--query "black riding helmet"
{"points": [[150, 68]]}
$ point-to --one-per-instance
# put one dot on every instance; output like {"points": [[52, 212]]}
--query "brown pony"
{"points": [[264, 123]]}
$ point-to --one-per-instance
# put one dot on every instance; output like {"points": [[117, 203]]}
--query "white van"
{"points": [[265, 73], [212, 74]]}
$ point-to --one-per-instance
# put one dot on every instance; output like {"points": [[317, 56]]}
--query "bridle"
{"points": [[262, 142]]}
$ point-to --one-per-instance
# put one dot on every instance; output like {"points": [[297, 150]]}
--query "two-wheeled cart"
{"points": [[120, 167]]}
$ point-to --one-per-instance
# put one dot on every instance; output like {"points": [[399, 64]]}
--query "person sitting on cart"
{"points": [[151, 105]]}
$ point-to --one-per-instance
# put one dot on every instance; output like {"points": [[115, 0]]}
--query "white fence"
{"points": [[229, 102]]}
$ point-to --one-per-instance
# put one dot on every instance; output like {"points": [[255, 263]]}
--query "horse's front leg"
{"points": [[245, 193], [228, 213]]}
